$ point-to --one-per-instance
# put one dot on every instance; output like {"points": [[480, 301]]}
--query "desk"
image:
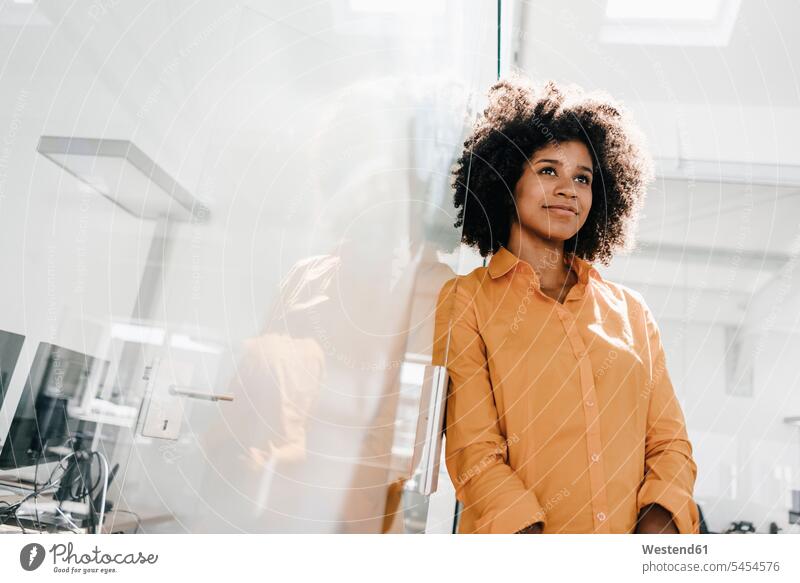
{"points": [[114, 523]]}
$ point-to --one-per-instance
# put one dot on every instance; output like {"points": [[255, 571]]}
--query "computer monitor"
{"points": [[10, 347], [43, 428]]}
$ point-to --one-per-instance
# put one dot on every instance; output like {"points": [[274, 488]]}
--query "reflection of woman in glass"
{"points": [[561, 416]]}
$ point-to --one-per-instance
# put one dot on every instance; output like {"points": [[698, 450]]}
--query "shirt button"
{"points": [[601, 516], [595, 457]]}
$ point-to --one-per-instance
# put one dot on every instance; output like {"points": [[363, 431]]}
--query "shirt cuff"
{"points": [[522, 512], [675, 500]]}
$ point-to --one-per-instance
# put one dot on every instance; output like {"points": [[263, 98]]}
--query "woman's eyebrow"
{"points": [[558, 162]]}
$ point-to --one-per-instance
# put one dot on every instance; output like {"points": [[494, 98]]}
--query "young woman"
{"points": [[561, 416]]}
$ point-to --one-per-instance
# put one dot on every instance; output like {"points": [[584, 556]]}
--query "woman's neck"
{"points": [[545, 256]]}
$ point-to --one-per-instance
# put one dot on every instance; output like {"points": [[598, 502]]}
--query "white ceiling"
{"points": [[562, 40]]}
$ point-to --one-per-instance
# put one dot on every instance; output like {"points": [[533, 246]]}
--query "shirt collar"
{"points": [[504, 261]]}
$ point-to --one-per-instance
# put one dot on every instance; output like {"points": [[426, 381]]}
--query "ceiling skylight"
{"points": [[682, 23], [674, 10]]}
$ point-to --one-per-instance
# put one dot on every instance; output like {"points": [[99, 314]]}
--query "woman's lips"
{"points": [[560, 211]]}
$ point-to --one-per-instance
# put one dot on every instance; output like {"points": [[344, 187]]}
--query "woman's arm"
{"points": [[475, 447], [536, 528], [670, 470], [655, 519]]}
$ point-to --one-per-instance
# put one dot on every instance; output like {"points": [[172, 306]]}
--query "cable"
{"points": [[36, 482], [12, 512], [89, 493], [74, 526], [94, 486], [78, 489], [105, 491], [37, 491]]}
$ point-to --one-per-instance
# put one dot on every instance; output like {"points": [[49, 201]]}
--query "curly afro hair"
{"points": [[518, 121]]}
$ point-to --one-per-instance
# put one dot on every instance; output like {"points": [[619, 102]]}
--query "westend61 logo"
{"points": [[65, 560]]}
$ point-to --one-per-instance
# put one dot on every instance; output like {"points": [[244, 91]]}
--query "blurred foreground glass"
{"points": [[258, 362]]}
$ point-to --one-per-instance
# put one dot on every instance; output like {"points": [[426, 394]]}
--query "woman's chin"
{"points": [[552, 232], [557, 235]]}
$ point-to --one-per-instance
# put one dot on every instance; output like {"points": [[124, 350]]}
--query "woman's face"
{"points": [[557, 175]]}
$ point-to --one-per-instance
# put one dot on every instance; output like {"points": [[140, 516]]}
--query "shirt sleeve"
{"points": [[476, 450], [670, 470]]}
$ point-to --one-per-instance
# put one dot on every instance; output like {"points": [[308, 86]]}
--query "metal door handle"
{"points": [[194, 393]]}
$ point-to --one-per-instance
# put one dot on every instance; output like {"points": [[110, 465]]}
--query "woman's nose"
{"points": [[566, 188]]}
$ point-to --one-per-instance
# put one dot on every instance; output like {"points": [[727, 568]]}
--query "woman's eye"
{"points": [[584, 179], [548, 170]]}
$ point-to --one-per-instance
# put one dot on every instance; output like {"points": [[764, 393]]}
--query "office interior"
{"points": [[225, 225]]}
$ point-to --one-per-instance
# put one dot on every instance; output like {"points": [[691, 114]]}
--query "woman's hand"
{"points": [[535, 528], [655, 519]]}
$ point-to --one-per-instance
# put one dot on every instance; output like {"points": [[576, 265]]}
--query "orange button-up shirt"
{"points": [[559, 413]]}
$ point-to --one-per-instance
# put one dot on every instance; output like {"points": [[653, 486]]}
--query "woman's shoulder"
{"points": [[468, 283], [624, 295]]}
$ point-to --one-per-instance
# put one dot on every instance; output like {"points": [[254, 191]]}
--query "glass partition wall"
{"points": [[240, 213]]}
